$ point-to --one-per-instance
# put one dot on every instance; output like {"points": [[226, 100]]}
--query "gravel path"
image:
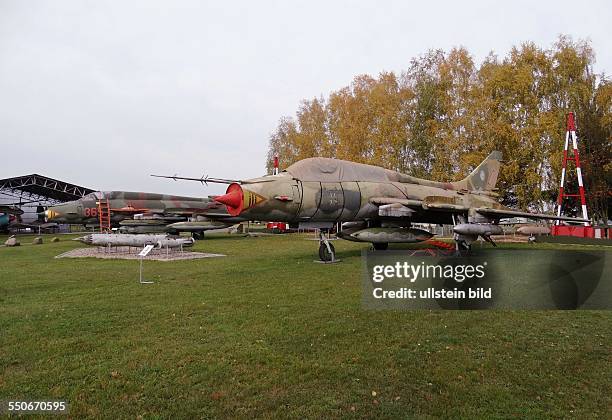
{"points": [[125, 253]]}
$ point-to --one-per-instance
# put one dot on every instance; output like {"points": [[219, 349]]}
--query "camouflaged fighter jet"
{"points": [[139, 212], [376, 205]]}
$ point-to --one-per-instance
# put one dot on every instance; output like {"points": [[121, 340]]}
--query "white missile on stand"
{"points": [[109, 239]]}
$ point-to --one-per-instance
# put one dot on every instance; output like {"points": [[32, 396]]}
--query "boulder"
{"points": [[37, 241], [12, 241]]}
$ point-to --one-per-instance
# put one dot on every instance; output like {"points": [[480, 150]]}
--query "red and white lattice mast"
{"points": [[571, 133]]}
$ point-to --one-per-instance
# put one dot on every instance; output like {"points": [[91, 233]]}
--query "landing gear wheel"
{"points": [[380, 246], [463, 247], [324, 253]]}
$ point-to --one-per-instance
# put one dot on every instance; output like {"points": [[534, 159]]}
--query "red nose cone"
{"points": [[233, 199]]}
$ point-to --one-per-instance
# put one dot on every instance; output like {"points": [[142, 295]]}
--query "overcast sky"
{"points": [[104, 93]]}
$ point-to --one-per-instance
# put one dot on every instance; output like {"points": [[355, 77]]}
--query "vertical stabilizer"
{"points": [[484, 177]]}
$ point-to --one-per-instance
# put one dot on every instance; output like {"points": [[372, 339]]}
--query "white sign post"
{"points": [[145, 251]]}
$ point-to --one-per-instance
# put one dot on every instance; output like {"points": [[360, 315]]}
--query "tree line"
{"points": [[439, 118]]}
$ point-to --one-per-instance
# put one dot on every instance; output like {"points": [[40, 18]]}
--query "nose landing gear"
{"points": [[198, 235], [327, 253]]}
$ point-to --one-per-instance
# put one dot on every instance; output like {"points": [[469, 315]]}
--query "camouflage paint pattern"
{"points": [[331, 190], [157, 210]]}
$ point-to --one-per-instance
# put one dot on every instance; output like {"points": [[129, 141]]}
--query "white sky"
{"points": [[104, 93]]}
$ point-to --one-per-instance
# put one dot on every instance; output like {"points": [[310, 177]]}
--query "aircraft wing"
{"points": [[211, 208], [428, 203], [160, 211], [502, 213], [215, 215], [10, 210], [20, 225], [130, 210], [400, 207], [48, 225]]}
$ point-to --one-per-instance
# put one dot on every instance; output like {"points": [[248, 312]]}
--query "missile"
{"points": [[175, 242], [533, 230], [106, 239], [484, 230], [355, 224], [386, 235], [166, 218]]}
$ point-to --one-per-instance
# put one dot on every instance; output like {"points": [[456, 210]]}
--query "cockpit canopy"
{"points": [[336, 170], [96, 195]]}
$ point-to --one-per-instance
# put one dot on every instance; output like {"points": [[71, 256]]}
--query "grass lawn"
{"points": [[266, 332]]}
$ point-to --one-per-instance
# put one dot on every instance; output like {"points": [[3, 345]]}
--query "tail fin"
{"points": [[484, 177]]}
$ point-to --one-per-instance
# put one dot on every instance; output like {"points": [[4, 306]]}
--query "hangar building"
{"points": [[33, 192]]}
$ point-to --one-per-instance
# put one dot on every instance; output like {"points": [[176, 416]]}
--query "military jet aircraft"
{"points": [[8, 215], [139, 212], [376, 205], [11, 220]]}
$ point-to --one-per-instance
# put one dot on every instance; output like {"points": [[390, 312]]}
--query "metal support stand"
{"points": [[145, 251], [141, 280]]}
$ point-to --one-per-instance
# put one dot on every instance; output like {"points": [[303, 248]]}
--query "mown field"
{"points": [[265, 332]]}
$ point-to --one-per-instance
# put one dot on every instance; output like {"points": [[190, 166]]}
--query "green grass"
{"points": [[266, 332]]}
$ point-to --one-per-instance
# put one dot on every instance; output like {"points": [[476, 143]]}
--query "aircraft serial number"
{"points": [[91, 212]]}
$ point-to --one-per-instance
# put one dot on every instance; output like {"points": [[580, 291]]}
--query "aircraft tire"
{"points": [[380, 246], [464, 248], [324, 254]]}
